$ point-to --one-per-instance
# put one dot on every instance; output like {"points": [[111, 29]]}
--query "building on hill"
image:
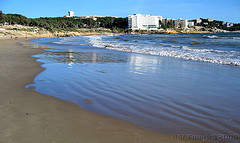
{"points": [[143, 22], [227, 24], [179, 23], [210, 20], [197, 21], [94, 17], [190, 23], [167, 20], [70, 14], [149, 22], [112, 16]]}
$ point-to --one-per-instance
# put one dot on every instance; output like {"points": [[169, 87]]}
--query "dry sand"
{"points": [[30, 117], [20, 31]]}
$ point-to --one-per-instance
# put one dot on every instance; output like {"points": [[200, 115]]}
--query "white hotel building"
{"points": [[143, 22], [148, 22]]}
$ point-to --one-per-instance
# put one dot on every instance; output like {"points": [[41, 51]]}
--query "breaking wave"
{"points": [[148, 44]]}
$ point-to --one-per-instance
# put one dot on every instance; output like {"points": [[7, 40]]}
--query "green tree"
{"points": [[1, 15], [164, 26], [170, 24], [180, 25]]}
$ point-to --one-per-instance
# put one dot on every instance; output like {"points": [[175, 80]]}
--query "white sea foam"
{"points": [[169, 50], [95, 40], [238, 38], [213, 36]]}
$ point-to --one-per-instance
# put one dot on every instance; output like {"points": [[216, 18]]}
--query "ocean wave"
{"points": [[170, 50], [57, 42], [220, 37], [212, 37], [95, 40], [238, 38]]}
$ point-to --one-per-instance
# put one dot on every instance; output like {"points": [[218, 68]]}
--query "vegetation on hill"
{"points": [[1, 15], [65, 23], [218, 24], [115, 25]]}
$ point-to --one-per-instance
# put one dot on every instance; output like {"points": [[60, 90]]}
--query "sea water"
{"points": [[171, 83], [221, 48]]}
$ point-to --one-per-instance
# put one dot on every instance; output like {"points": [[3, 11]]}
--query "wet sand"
{"points": [[28, 116]]}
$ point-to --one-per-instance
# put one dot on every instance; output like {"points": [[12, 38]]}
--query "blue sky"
{"points": [[226, 10]]}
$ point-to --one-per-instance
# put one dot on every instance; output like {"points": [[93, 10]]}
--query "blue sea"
{"points": [[170, 83]]}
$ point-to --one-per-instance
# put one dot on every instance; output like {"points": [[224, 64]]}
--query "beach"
{"points": [[20, 31], [101, 72], [28, 116]]}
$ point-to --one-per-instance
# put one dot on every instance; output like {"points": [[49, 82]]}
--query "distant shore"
{"points": [[14, 32], [18, 31]]}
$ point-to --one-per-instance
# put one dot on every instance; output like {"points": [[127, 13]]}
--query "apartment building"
{"points": [[191, 23], [227, 24], [179, 23], [143, 22], [149, 22], [196, 21]]}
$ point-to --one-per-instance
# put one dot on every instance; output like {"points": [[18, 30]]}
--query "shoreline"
{"points": [[5, 33], [29, 116], [96, 33]]}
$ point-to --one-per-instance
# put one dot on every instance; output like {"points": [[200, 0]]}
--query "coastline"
{"points": [[6, 33], [47, 34], [29, 116]]}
